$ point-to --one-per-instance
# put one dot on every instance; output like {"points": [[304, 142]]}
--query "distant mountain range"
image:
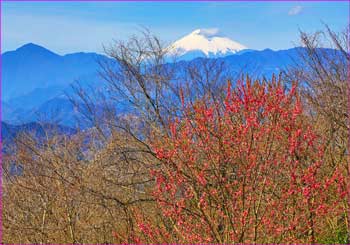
{"points": [[32, 69], [9, 132], [35, 79]]}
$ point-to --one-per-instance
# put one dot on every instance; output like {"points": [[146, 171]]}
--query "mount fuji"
{"points": [[206, 43]]}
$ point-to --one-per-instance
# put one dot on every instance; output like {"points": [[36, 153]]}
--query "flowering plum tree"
{"points": [[249, 170]]}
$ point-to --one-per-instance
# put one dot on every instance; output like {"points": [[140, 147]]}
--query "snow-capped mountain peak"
{"points": [[204, 43]]}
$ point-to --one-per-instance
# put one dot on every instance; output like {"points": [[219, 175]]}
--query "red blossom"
{"points": [[245, 171]]}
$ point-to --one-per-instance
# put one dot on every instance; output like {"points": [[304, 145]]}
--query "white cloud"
{"points": [[209, 31], [295, 10]]}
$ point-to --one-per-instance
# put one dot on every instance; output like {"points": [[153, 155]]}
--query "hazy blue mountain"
{"points": [[9, 132], [33, 75], [258, 63], [33, 67], [5, 107], [59, 110], [36, 97], [40, 131], [62, 111], [35, 79]]}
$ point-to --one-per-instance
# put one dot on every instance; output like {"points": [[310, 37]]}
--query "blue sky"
{"points": [[66, 27]]}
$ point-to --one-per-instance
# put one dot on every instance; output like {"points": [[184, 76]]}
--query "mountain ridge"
{"points": [[36, 99], [32, 66]]}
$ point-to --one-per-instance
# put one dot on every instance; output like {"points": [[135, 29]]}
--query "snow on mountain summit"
{"points": [[204, 43]]}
